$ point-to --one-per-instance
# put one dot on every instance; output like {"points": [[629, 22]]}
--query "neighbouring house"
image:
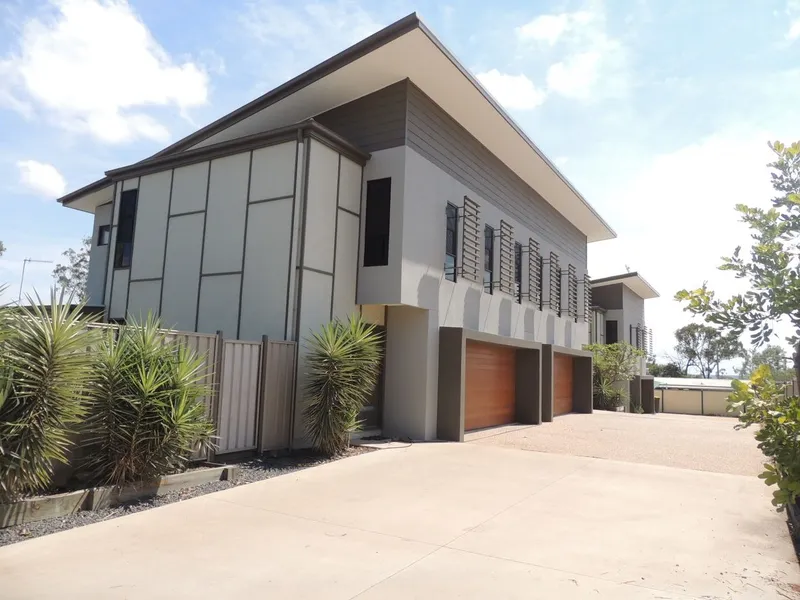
{"points": [[693, 396], [384, 180], [618, 316]]}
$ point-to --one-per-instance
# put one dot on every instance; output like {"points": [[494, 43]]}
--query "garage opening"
{"points": [[490, 395], [563, 392]]}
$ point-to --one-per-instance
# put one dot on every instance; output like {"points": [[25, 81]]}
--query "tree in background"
{"points": [[73, 276], [704, 348], [773, 356], [670, 369], [2, 248], [772, 269]]}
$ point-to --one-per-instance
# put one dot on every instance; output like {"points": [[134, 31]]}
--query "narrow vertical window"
{"points": [[450, 242], [376, 227], [518, 271], [488, 258], [103, 235], [127, 221]]}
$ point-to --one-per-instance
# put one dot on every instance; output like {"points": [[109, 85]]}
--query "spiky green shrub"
{"points": [[343, 365], [45, 368], [146, 417]]}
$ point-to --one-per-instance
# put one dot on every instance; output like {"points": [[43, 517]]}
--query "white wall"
{"points": [[98, 255], [189, 189], [218, 308], [225, 216], [381, 285], [182, 272], [152, 209], [412, 365], [143, 299]]}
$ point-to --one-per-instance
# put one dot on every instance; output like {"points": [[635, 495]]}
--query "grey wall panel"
{"points": [[373, 122], [344, 285], [151, 225], [112, 243], [265, 283], [98, 256], [182, 272], [143, 297], [130, 184], [315, 305], [119, 294], [608, 296], [323, 176], [273, 172], [219, 304], [350, 185], [440, 139], [227, 202], [189, 188]]}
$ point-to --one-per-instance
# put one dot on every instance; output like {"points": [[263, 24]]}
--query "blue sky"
{"points": [[657, 110]]}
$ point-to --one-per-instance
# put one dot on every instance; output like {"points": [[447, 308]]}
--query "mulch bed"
{"points": [[251, 470]]}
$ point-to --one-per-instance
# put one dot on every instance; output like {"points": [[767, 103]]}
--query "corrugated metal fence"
{"points": [[252, 389]]}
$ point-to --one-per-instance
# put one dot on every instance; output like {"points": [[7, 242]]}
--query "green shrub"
{"points": [[45, 368], [763, 403], [343, 365], [146, 418], [613, 365]]}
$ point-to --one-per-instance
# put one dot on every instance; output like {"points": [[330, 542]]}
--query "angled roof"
{"points": [[405, 49], [633, 281]]}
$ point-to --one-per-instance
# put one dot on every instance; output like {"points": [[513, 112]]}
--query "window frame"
{"points": [[100, 231], [123, 247], [376, 245], [447, 230], [488, 256], [518, 271]]}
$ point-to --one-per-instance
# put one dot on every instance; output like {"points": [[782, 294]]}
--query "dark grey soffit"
{"points": [[309, 128]]}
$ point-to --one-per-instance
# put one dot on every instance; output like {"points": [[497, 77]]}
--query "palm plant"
{"points": [[44, 373], [146, 417], [343, 364]]}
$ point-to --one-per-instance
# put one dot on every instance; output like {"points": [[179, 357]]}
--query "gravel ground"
{"points": [[684, 441], [252, 470]]}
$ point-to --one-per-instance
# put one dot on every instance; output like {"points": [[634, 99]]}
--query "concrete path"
{"points": [[432, 521], [685, 441]]}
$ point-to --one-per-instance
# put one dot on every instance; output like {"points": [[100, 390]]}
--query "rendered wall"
{"points": [[98, 255]]}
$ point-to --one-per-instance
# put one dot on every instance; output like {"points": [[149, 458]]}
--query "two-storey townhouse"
{"points": [[618, 304], [385, 180]]}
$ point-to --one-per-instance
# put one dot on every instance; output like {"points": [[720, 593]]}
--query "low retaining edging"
{"points": [[68, 503]]}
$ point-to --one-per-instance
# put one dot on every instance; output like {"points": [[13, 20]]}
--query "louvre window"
{"points": [[451, 242], [488, 258], [518, 271]]}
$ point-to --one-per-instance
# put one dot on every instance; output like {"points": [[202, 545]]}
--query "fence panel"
{"points": [[277, 395], [239, 396]]}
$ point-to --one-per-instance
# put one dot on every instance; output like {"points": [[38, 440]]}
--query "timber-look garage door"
{"points": [[562, 384], [490, 394]]}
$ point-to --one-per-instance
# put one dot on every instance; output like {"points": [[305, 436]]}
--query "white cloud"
{"points": [[94, 67], [676, 219], [41, 178], [793, 12], [512, 91], [590, 64], [550, 28], [305, 33]]}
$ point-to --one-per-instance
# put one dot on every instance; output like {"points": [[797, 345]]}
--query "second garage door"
{"points": [[562, 384], [490, 387]]}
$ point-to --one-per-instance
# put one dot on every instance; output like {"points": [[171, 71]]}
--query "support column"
{"points": [[648, 395], [582, 387], [635, 391], [528, 386], [452, 360], [547, 383]]}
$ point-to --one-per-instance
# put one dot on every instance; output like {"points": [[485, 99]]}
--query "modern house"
{"points": [[384, 180], [618, 316]]}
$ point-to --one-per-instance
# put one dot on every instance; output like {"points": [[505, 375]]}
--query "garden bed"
{"points": [[248, 471]]}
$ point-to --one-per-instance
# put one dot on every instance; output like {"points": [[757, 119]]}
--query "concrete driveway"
{"points": [[432, 521], [684, 441]]}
